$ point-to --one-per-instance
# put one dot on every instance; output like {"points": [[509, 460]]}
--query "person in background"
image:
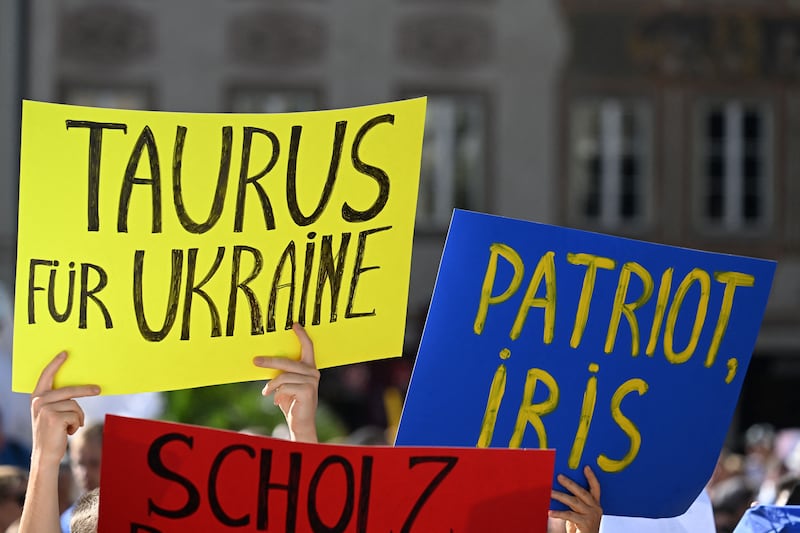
{"points": [[87, 511], [66, 486], [730, 500], [55, 415], [85, 453], [16, 420], [13, 452], [13, 481], [699, 518]]}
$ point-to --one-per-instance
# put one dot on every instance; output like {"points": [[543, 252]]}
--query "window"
{"points": [[111, 97], [453, 159], [273, 101], [610, 145], [734, 162]]}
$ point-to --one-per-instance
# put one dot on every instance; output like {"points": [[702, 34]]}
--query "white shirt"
{"points": [[699, 518]]}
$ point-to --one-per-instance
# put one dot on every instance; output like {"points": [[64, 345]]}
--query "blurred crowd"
{"points": [[766, 469]]}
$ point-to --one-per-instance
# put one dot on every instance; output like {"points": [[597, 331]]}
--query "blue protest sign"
{"points": [[770, 519], [624, 355]]}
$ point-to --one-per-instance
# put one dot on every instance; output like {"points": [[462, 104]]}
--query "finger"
{"points": [[306, 346], [567, 499], [594, 484], [74, 422], [66, 393], [581, 493], [293, 391], [48, 375], [287, 378], [68, 419], [569, 516], [286, 365], [73, 411]]}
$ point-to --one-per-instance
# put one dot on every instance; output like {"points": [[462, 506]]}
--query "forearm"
{"points": [[304, 434], [40, 513]]}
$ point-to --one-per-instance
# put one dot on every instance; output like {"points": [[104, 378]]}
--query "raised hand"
{"points": [[54, 413], [585, 511], [54, 416], [295, 388]]}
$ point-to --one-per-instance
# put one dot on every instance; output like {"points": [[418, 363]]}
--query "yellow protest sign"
{"points": [[165, 250]]}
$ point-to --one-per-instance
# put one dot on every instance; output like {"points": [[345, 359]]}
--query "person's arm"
{"points": [[295, 388], [54, 415], [585, 511]]}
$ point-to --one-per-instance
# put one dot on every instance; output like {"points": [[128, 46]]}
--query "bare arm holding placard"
{"points": [[295, 388], [55, 415], [585, 511]]}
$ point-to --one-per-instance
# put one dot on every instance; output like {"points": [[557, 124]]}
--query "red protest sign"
{"points": [[159, 477]]}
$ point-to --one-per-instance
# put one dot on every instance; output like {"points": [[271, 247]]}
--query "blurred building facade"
{"points": [[672, 121], [11, 75], [679, 123]]}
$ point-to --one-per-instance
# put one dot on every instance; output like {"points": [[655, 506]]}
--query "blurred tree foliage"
{"points": [[237, 407]]}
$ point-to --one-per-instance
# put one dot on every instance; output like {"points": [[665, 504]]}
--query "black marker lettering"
{"points": [[291, 175], [350, 214], [32, 287], [332, 273], [213, 498], [222, 182], [87, 293], [292, 488], [95, 150], [172, 303], [256, 325], [449, 463], [191, 288], [288, 254], [347, 512], [159, 468], [266, 206], [145, 140], [358, 270], [51, 293]]}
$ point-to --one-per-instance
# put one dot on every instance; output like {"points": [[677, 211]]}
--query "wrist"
{"points": [[46, 459], [306, 435]]}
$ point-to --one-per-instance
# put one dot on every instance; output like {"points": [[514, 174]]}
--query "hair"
{"points": [[87, 510], [90, 433], [788, 489], [13, 481]]}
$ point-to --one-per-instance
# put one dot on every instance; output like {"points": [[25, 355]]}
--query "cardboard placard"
{"points": [[620, 354], [159, 477], [165, 250]]}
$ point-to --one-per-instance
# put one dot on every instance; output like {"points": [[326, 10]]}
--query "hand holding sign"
{"points": [[54, 414], [585, 511], [295, 388]]}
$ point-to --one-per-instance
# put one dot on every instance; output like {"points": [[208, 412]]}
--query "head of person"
{"points": [[731, 499], [787, 490], [86, 513], [85, 451], [13, 482], [759, 439]]}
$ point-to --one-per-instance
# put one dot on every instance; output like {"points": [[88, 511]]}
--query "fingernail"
{"points": [[62, 354], [96, 390], [258, 361]]}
